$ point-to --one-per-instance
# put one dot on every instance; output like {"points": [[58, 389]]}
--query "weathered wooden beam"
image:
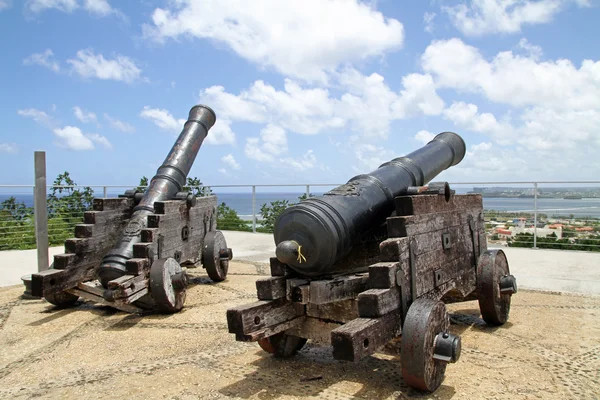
{"points": [[383, 275], [270, 331], [271, 288], [118, 203], [375, 303], [340, 288], [279, 269], [412, 225], [315, 329], [44, 279], [423, 204], [363, 336], [298, 290], [260, 315], [339, 311]]}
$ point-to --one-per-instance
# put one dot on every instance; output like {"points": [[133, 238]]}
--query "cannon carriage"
{"points": [[132, 252], [377, 259]]}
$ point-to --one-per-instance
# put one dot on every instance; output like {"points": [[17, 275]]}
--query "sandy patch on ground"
{"points": [[549, 349]]}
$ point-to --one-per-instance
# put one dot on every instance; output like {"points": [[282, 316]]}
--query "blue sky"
{"points": [[307, 91]]}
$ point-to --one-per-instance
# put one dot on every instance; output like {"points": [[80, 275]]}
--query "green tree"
{"points": [[16, 225], [143, 184], [66, 205], [272, 211], [228, 219], [195, 186]]}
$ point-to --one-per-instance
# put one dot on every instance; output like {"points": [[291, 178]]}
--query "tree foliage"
{"points": [[589, 243]]}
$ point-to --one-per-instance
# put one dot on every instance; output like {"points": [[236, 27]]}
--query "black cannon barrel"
{"points": [[313, 235], [169, 180]]}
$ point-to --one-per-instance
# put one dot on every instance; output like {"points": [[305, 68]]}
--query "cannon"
{"points": [[376, 260], [132, 252]]}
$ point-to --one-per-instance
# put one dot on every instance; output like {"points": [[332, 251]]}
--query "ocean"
{"points": [[242, 203]]}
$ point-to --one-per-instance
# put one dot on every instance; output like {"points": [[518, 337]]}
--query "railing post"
{"points": [[535, 189], [41, 211], [254, 208], [307, 191], [105, 194]]}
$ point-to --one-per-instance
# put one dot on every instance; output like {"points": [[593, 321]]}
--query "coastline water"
{"points": [[242, 203]]}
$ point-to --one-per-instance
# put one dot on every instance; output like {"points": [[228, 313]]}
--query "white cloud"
{"points": [[163, 119], [90, 65], [101, 140], [44, 59], [368, 106], [482, 17], [119, 125], [428, 18], [100, 8], [467, 116], [4, 4], [424, 137], [369, 156], [533, 51], [230, 161], [513, 79], [306, 39], [73, 138], [272, 142], [38, 116], [224, 171], [221, 133], [8, 148], [84, 116], [306, 162], [37, 6]]}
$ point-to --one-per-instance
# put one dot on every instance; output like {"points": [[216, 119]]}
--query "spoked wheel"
{"points": [[495, 286], [282, 345], [61, 299], [168, 283], [216, 256], [427, 346]]}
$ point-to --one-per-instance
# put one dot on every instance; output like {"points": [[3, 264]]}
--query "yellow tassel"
{"points": [[300, 256]]}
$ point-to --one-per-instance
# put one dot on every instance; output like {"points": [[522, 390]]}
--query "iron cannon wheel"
{"points": [[425, 319], [282, 345], [215, 256], [494, 306], [167, 285], [61, 299]]}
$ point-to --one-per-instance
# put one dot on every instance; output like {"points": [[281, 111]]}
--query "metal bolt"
{"points": [[446, 347], [179, 281], [508, 285]]}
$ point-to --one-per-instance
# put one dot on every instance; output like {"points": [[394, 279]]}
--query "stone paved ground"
{"points": [[550, 349]]}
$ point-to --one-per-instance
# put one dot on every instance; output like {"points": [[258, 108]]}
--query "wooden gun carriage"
{"points": [[393, 281], [131, 252]]}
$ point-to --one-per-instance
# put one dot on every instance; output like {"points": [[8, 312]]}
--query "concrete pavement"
{"points": [[551, 270]]}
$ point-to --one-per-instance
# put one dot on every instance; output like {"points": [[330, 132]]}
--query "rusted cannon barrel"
{"points": [[314, 234], [168, 181]]}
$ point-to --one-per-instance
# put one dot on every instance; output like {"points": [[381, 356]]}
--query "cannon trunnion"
{"points": [[132, 252], [393, 282]]}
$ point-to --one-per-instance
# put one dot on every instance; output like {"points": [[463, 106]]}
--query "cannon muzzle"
{"points": [[316, 233], [168, 181]]}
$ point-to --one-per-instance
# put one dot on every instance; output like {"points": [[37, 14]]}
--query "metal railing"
{"points": [[527, 212]]}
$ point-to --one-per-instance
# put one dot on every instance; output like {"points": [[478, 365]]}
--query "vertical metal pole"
{"points": [[307, 191], [104, 196], [41, 211], [535, 189], [254, 208]]}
